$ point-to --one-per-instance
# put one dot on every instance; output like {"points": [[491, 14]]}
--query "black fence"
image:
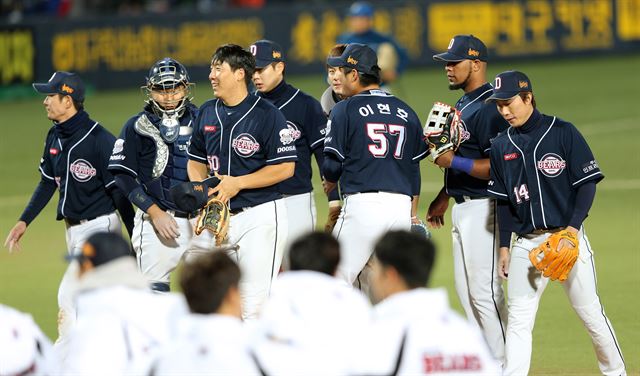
{"points": [[116, 52]]}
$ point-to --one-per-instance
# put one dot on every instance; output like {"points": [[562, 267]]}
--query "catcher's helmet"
{"points": [[166, 75]]}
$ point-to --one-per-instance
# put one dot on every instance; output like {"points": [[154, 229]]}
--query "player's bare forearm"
{"points": [[503, 262], [414, 207], [479, 170], [268, 175], [163, 222], [437, 209], [197, 171]]}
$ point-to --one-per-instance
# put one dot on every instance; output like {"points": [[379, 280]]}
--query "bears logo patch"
{"points": [[551, 165], [289, 135], [245, 145], [82, 170]]}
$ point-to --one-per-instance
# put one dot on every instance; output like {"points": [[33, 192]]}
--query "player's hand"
{"points": [[164, 223], [566, 242], [437, 210], [445, 159], [332, 217], [328, 186], [228, 188], [13, 239], [503, 262]]}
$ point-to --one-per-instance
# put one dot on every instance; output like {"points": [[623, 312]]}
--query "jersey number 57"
{"points": [[380, 146]]}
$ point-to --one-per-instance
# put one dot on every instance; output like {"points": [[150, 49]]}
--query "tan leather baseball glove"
{"points": [[215, 218], [555, 259]]}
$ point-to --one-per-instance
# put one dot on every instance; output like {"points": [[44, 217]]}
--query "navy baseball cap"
{"points": [[64, 83], [266, 52], [509, 84], [361, 9], [464, 47], [359, 57], [101, 248]]}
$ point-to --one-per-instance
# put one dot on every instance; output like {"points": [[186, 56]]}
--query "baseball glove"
{"points": [[215, 218], [442, 129], [420, 228], [556, 263]]}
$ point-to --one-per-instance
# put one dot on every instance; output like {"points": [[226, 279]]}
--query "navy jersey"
{"points": [[481, 122], [378, 138], [240, 140], [306, 123], [135, 153], [537, 168], [75, 157]]}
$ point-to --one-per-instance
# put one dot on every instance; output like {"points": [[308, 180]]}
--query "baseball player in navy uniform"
{"points": [[373, 145], [74, 161], [544, 176], [148, 159], [244, 140], [474, 227], [306, 123]]}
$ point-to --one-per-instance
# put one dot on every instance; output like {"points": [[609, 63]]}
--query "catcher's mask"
{"points": [[168, 91]]}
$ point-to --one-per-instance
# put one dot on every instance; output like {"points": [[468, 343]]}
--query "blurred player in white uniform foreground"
{"points": [[311, 315], [120, 321], [212, 339], [414, 331]]}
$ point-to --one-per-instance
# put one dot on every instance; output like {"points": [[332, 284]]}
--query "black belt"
{"points": [[239, 210], [461, 199], [74, 222], [180, 214]]}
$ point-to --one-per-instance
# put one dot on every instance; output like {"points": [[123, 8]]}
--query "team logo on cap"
{"points": [[451, 43], [276, 54], [523, 84], [351, 60], [551, 165], [289, 135], [473, 52], [67, 89], [82, 170], [245, 145]]}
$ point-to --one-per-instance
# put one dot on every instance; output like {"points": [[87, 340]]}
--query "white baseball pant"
{"points": [[301, 215], [76, 237], [261, 234], [364, 218], [526, 286], [474, 230], [157, 257]]}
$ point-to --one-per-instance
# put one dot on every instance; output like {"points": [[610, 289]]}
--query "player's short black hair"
{"points": [[365, 79], [410, 254], [523, 95], [206, 280], [237, 58], [315, 251]]}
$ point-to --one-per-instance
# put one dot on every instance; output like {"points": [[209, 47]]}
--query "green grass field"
{"points": [[599, 95]]}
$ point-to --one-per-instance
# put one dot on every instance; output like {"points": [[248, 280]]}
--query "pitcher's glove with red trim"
{"points": [[442, 129]]}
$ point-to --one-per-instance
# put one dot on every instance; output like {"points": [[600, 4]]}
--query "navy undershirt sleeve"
{"points": [[41, 196], [505, 222], [334, 195], [124, 207], [584, 199], [331, 168], [133, 190]]}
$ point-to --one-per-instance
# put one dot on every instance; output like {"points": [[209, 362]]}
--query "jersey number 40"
{"points": [[380, 147]]}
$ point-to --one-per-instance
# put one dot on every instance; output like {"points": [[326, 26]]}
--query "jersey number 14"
{"points": [[522, 193], [380, 146]]}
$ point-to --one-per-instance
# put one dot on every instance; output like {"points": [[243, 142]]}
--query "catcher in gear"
{"points": [[544, 176]]}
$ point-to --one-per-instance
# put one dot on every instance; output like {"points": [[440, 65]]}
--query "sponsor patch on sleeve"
{"points": [[590, 166]]}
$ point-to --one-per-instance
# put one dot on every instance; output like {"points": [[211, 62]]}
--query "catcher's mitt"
{"points": [[442, 129], [215, 218], [556, 263]]}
